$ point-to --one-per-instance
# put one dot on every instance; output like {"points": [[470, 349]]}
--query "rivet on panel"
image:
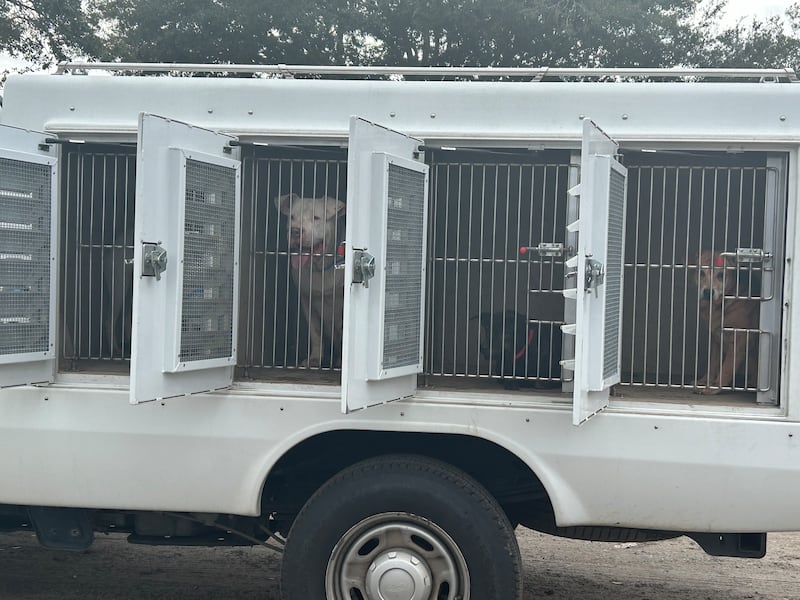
{"points": [[783, 117], [433, 115], [392, 115], [624, 117]]}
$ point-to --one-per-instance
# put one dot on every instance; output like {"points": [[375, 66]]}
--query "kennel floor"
{"points": [[486, 385]]}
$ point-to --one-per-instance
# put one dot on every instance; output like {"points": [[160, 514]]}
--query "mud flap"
{"points": [[62, 528], [742, 545]]}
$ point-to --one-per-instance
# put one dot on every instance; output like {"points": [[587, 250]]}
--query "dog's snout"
{"points": [[706, 294]]}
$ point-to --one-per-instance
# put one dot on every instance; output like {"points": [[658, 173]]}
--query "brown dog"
{"points": [[313, 240], [732, 323]]}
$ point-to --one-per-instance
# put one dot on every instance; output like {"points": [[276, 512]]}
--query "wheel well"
{"points": [[302, 470]]}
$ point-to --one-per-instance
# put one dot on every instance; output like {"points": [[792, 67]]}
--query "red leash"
{"points": [[524, 349]]}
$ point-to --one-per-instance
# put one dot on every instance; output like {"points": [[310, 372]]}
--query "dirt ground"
{"points": [[555, 569]]}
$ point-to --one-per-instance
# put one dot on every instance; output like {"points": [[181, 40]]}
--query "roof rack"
{"points": [[533, 73]]}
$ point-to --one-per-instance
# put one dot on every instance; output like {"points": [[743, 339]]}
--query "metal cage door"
{"points": [[186, 260], [597, 269], [385, 266], [28, 221]]}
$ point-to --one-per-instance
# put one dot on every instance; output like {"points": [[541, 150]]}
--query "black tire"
{"points": [[393, 521]]}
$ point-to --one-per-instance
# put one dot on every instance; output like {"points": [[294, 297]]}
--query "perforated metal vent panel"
{"points": [[613, 276], [208, 262], [25, 205], [404, 263]]}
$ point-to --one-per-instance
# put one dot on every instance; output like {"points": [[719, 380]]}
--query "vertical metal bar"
{"points": [[661, 274], [470, 241], [529, 242], [442, 320], [714, 221], [432, 267], [68, 210], [252, 359], [674, 255], [481, 326], [101, 250], [457, 266], [635, 311], [647, 277], [699, 265], [80, 217], [771, 311], [492, 341], [505, 275], [276, 257], [516, 260], [90, 249], [687, 221]]}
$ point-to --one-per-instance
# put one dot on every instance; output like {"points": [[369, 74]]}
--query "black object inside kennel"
{"points": [[497, 246]]}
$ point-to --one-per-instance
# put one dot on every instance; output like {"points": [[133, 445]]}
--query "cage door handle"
{"points": [[154, 260], [594, 275], [363, 267]]}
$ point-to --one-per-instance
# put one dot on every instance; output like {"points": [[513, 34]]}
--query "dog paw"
{"points": [[710, 391], [311, 363]]}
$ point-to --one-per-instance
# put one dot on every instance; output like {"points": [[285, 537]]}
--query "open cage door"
{"points": [[28, 221], [186, 260], [385, 266], [597, 269]]}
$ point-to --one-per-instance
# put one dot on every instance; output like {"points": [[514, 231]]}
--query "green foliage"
{"points": [[619, 33], [405, 32]]}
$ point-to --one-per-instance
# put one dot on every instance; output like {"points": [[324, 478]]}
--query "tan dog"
{"points": [[728, 350], [313, 241]]}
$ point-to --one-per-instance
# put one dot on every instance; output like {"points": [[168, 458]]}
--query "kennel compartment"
{"points": [[273, 333], [679, 205], [497, 253], [96, 253]]}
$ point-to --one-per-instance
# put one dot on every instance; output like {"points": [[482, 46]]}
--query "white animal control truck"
{"points": [[526, 336]]}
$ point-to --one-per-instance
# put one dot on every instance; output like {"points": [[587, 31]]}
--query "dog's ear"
{"points": [[334, 208], [284, 203]]}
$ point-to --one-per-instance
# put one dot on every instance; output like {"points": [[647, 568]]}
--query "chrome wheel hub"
{"points": [[396, 556], [398, 575]]}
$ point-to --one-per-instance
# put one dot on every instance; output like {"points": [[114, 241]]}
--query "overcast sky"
{"points": [[738, 9]]}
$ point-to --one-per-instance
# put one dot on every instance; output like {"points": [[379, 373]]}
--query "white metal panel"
{"points": [[187, 202], [367, 377], [598, 267], [682, 476], [28, 222], [727, 113]]}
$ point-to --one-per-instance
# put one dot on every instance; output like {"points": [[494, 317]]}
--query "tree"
{"points": [[44, 31], [771, 43], [405, 32]]}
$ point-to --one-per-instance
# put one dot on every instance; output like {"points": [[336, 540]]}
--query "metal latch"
{"points": [[154, 260], [363, 267], [545, 249], [752, 255], [595, 274]]}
